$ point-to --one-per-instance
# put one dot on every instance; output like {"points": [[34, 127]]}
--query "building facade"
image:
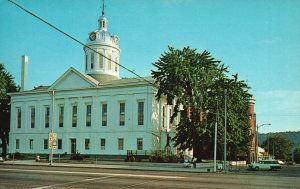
{"points": [[94, 112]]}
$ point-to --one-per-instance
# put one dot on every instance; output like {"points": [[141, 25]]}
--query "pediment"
{"points": [[73, 79]]}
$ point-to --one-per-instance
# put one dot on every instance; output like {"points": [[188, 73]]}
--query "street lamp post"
{"points": [[258, 126], [215, 137]]}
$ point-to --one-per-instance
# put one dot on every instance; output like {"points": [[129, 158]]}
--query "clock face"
{"points": [[92, 36]]}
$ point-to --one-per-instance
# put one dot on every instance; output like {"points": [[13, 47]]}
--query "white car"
{"points": [[281, 162], [265, 165]]}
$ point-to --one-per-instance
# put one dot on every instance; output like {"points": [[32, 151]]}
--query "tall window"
{"points": [[101, 61], [120, 144], [102, 143], [163, 116], [59, 144], [139, 144], [32, 117], [19, 116], [122, 114], [74, 116], [109, 61], [45, 144], [87, 144], [140, 113], [116, 65], [73, 145], [103, 24], [92, 60], [104, 114], [61, 116], [17, 144], [88, 115], [31, 144], [170, 114], [47, 115], [86, 62]]}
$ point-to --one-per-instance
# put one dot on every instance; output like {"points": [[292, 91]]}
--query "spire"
{"points": [[102, 7], [102, 20]]}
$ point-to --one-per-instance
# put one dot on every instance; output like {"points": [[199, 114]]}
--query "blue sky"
{"points": [[258, 39]]}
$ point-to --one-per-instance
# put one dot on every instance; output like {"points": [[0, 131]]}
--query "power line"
{"points": [[278, 115], [74, 39]]}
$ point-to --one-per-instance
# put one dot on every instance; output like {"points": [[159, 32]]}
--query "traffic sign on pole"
{"points": [[52, 140]]}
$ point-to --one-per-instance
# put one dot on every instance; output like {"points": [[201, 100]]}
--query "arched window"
{"points": [[116, 65], [101, 60], [86, 61], [103, 24], [92, 60], [109, 62]]}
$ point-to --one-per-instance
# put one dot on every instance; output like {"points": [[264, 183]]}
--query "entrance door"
{"points": [[73, 145]]}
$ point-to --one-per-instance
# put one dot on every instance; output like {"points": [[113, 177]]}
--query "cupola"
{"points": [[102, 54]]}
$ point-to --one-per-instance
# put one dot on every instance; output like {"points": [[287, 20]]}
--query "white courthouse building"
{"points": [[95, 112]]}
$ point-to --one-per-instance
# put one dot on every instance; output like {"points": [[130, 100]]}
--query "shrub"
{"points": [[163, 157], [77, 156], [18, 155], [130, 158]]}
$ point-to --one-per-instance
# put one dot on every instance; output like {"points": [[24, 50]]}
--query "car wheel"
{"points": [[256, 168], [273, 169]]}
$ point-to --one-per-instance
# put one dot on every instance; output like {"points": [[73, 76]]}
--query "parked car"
{"points": [[281, 162], [1, 159], [265, 165]]}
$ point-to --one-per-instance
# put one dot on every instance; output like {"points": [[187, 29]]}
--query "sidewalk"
{"points": [[175, 167]]}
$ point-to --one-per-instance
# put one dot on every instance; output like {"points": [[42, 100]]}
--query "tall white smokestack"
{"points": [[24, 73]]}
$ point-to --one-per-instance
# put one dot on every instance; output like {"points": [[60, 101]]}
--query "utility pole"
{"points": [[52, 128], [225, 130], [215, 142]]}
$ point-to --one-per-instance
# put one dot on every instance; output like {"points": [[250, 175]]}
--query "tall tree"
{"points": [[196, 82], [279, 146], [7, 85], [297, 155]]}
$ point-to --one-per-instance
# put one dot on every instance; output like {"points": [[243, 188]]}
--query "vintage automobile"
{"points": [[265, 165]]}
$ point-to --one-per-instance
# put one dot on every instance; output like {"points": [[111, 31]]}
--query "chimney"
{"points": [[24, 73], [251, 103]]}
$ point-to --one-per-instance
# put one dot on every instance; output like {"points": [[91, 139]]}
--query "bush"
{"points": [[77, 156], [163, 157], [18, 155], [130, 158]]}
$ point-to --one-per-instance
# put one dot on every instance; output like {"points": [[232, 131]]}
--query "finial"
{"points": [[102, 7]]}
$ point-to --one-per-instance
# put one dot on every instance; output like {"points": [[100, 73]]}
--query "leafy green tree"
{"points": [[297, 155], [7, 85], [197, 82], [279, 146]]}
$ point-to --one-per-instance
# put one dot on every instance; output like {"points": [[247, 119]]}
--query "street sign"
{"points": [[52, 140]]}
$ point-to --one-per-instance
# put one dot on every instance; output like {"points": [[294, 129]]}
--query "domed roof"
{"points": [[102, 36], [102, 53]]}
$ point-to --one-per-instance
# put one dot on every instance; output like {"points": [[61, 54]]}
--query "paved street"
{"points": [[24, 176]]}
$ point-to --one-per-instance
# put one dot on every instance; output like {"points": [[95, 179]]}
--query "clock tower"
{"points": [[102, 52]]}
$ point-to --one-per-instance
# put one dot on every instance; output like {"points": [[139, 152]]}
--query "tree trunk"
{"points": [[4, 146], [198, 151]]}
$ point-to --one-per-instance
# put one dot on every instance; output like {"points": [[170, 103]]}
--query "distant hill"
{"points": [[294, 136]]}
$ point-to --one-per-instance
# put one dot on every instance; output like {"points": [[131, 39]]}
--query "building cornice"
{"points": [[116, 84]]}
